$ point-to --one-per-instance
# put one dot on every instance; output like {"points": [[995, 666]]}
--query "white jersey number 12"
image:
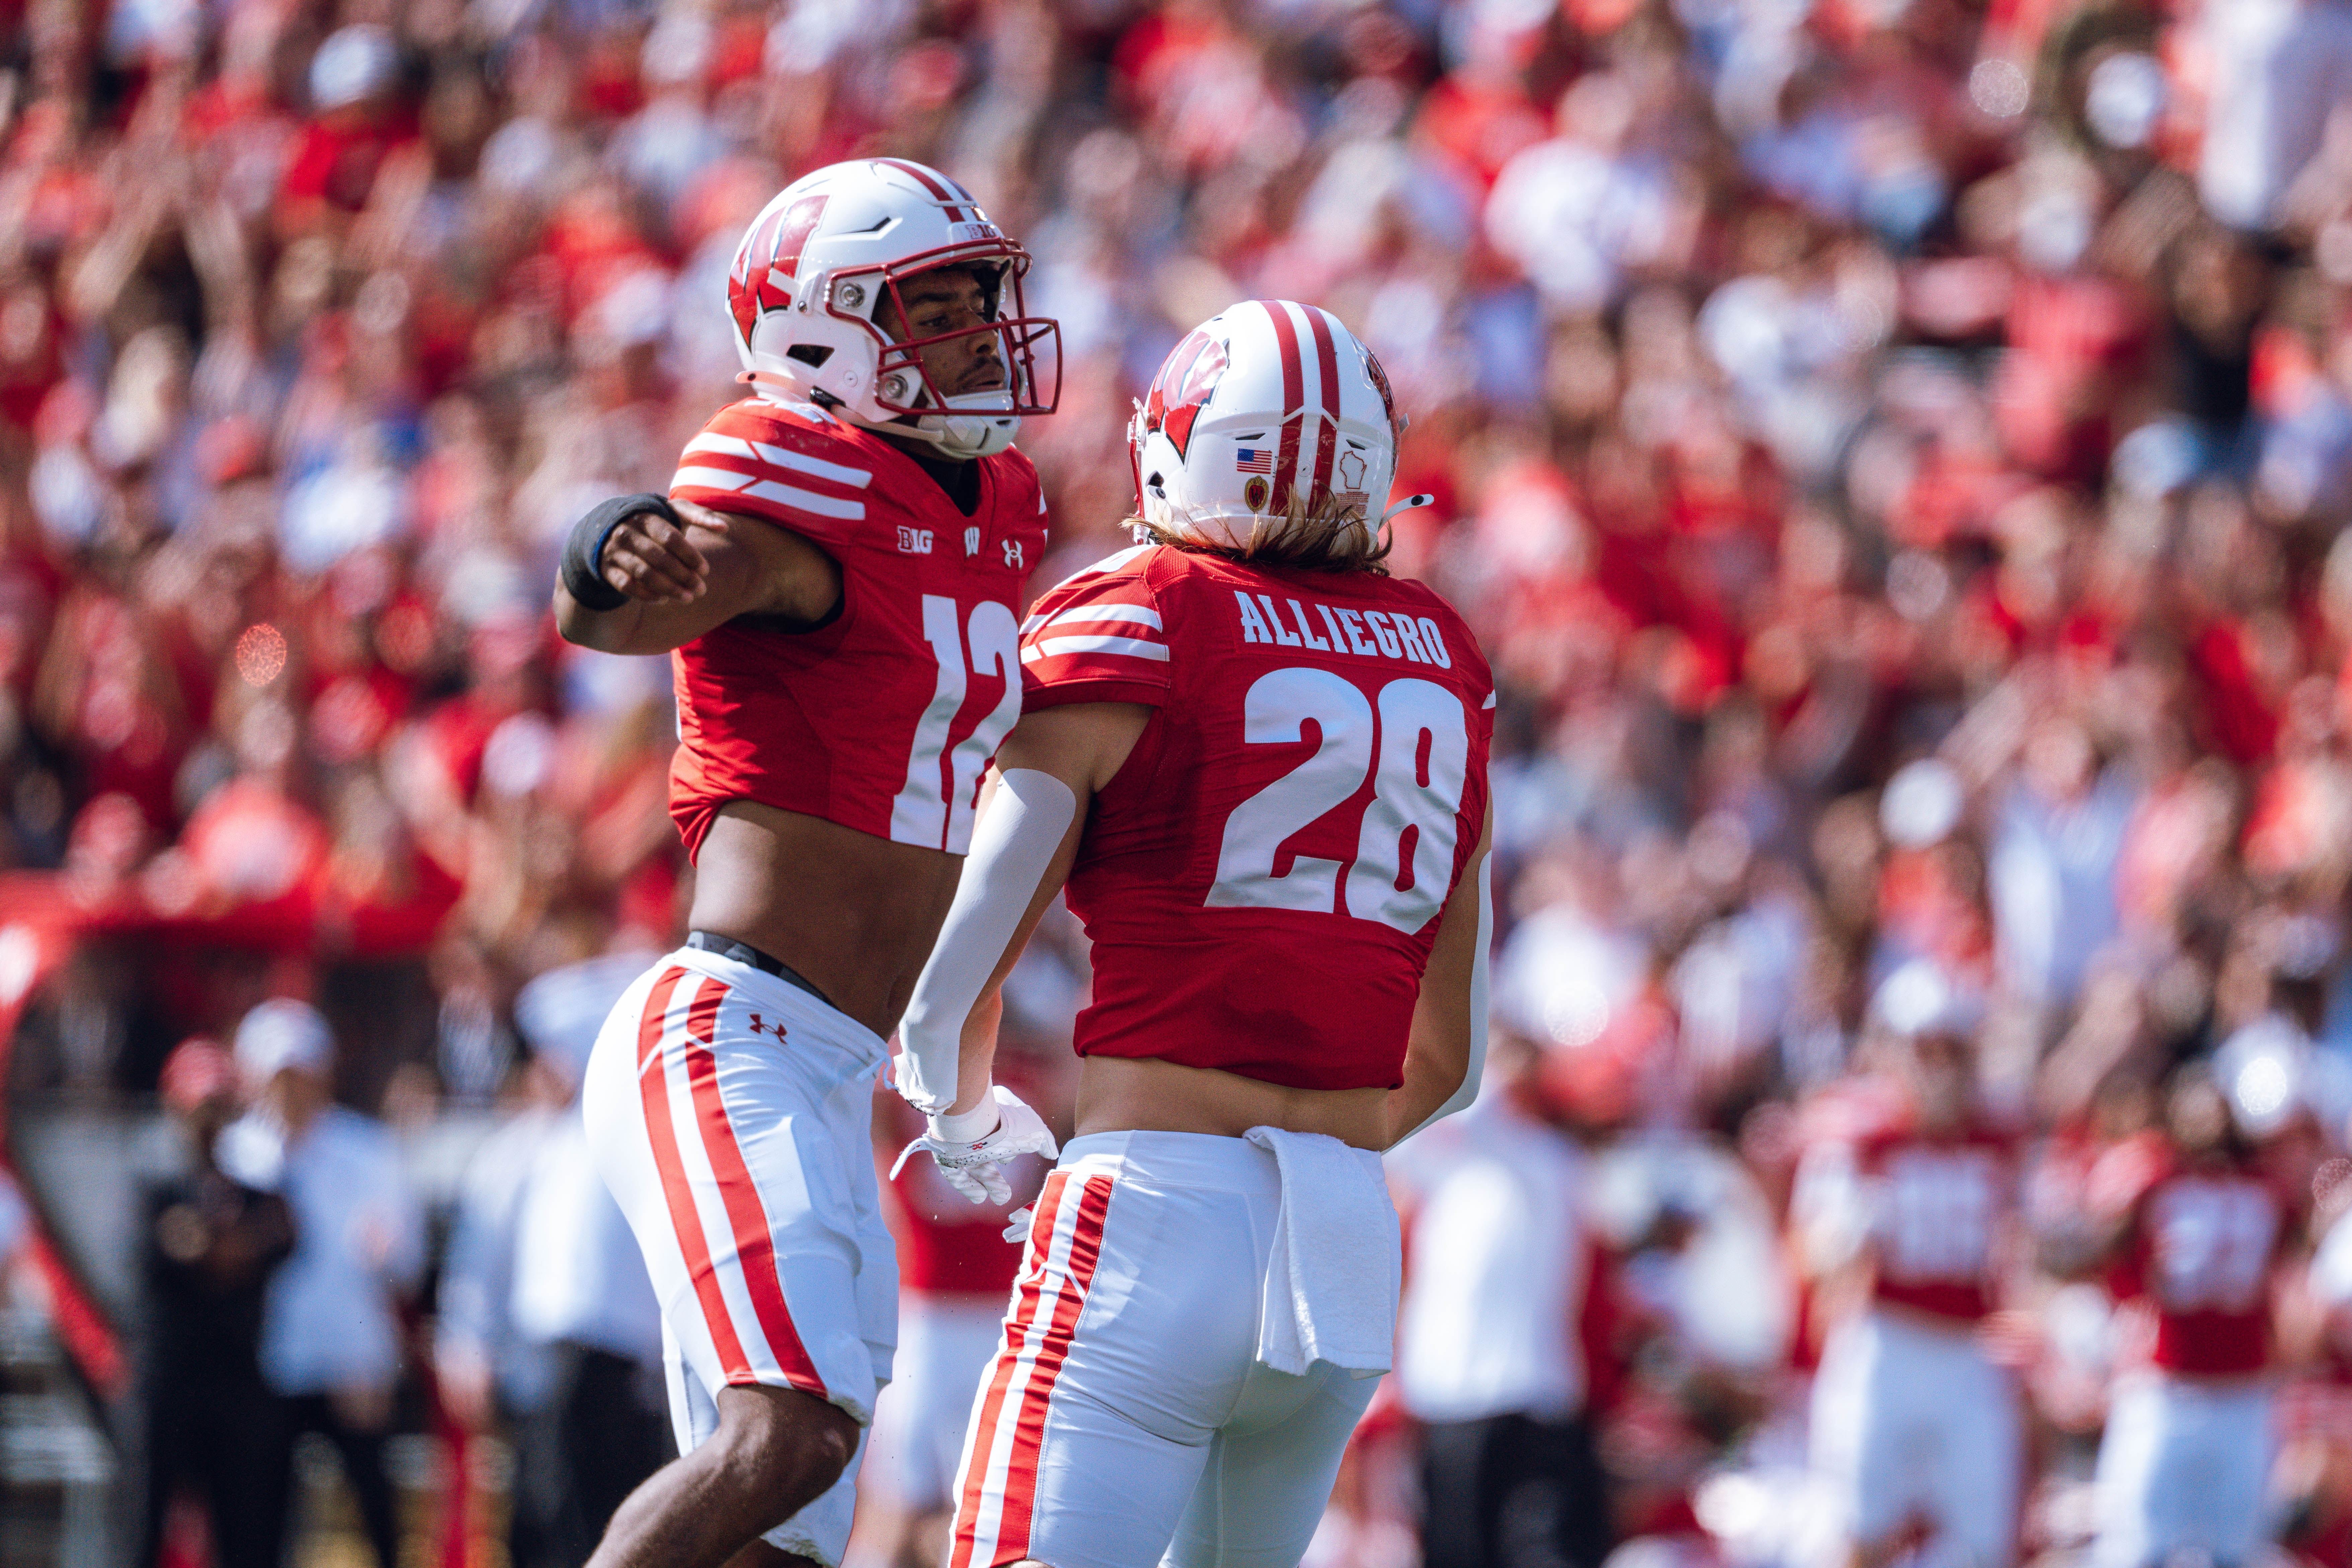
{"points": [[935, 808]]}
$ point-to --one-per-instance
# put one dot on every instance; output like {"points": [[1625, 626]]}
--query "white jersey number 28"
{"points": [[1404, 864]]}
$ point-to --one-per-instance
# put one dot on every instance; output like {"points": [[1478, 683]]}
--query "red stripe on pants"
{"points": [[972, 1488], [653, 1085], [755, 1248], [1017, 1512]]}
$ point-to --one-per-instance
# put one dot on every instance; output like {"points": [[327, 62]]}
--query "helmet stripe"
{"points": [[922, 177], [1327, 366], [1294, 397]]}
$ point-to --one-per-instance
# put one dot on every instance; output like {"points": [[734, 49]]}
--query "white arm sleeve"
{"points": [[1461, 1098], [1012, 847]]}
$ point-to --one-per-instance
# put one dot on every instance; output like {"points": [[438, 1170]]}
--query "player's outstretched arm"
{"points": [[1447, 1051], [1022, 845], [643, 574]]}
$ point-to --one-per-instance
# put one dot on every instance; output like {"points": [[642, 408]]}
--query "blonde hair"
{"points": [[1332, 538]]}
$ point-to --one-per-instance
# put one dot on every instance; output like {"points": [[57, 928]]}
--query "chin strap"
{"points": [[1408, 504], [963, 434], [972, 432], [961, 437]]}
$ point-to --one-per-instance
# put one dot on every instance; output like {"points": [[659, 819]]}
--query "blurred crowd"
{"points": [[1896, 452]]}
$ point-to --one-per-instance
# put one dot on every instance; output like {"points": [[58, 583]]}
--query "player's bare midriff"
{"points": [[1125, 1094], [852, 914]]}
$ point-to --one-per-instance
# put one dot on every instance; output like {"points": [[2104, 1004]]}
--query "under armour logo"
{"points": [[760, 1028], [1013, 553]]}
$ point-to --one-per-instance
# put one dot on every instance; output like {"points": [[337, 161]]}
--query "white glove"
{"points": [[972, 1167]]}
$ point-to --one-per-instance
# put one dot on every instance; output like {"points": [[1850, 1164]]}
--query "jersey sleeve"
{"points": [[1097, 637], [760, 463]]}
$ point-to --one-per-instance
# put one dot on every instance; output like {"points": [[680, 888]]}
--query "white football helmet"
{"points": [[816, 264], [1268, 413]]}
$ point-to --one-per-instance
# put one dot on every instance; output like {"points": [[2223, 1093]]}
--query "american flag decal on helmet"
{"points": [[1253, 460]]}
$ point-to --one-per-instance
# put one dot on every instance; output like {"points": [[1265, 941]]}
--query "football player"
{"points": [[1259, 763], [2196, 1232], [955, 1274], [836, 572], [1915, 1427]]}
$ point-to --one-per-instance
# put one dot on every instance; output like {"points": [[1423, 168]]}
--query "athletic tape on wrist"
{"points": [[582, 570], [969, 1126], [1013, 846]]}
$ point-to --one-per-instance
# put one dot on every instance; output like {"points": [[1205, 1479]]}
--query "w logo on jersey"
{"points": [[1185, 380], [762, 277]]}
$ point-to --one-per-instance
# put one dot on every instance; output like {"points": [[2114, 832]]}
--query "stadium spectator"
{"points": [[331, 1329], [1500, 1277], [211, 1245], [1916, 1426]]}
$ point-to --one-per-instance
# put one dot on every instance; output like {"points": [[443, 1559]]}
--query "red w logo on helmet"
{"points": [[762, 279], [1380, 379], [1186, 379]]}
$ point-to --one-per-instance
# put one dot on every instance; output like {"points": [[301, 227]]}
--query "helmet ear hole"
{"points": [[1155, 484]]}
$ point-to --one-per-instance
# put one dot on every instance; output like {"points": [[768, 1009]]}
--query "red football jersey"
{"points": [[2202, 1243], [948, 1245], [1937, 1208], [884, 719], [1263, 878]]}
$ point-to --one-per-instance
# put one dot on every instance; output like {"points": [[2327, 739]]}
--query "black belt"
{"points": [[744, 953]]}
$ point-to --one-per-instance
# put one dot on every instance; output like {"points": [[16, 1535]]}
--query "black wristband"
{"points": [[583, 573]]}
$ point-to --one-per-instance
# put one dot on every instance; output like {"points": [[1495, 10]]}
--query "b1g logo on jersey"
{"points": [[914, 540]]}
